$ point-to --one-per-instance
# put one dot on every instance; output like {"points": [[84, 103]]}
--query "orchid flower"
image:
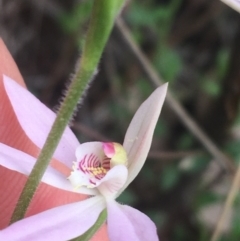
{"points": [[235, 4], [102, 170]]}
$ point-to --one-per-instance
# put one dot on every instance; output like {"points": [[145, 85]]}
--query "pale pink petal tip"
{"points": [[138, 138]]}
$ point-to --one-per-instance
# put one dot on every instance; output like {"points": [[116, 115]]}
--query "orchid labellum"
{"points": [[102, 170]]}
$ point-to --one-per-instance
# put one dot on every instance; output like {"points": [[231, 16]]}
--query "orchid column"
{"points": [[104, 13]]}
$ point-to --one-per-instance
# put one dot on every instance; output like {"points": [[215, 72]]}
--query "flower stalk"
{"points": [[103, 15]]}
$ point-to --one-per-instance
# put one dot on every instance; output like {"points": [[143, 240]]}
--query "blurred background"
{"points": [[192, 44]]}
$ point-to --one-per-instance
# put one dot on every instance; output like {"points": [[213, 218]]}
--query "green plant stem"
{"points": [[102, 19]]}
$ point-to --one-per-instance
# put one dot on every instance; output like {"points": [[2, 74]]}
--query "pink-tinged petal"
{"points": [[113, 181], [36, 121], [21, 162], [108, 148], [139, 135], [11, 132], [57, 224], [235, 4], [16, 160], [127, 223]]}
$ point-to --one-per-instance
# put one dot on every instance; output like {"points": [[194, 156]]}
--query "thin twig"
{"points": [[227, 206], [154, 78]]}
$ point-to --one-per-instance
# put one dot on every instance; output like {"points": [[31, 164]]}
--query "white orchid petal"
{"points": [[57, 224], [36, 120], [113, 181], [235, 4], [87, 148], [139, 135]]}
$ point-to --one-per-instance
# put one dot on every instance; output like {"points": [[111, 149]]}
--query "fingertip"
{"points": [[8, 66]]}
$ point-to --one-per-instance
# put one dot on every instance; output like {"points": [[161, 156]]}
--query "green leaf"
{"points": [[127, 197], [206, 198], [211, 87], [185, 141], [222, 63], [168, 62], [233, 149], [70, 22], [169, 178]]}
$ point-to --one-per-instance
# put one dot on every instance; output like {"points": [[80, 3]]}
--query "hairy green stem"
{"points": [[102, 19]]}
